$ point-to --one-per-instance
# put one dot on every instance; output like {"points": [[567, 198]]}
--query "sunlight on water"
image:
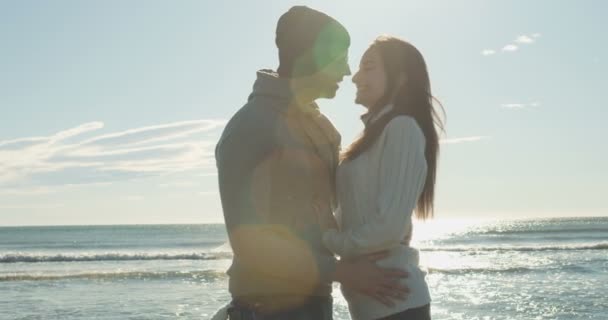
{"points": [[436, 229], [477, 269]]}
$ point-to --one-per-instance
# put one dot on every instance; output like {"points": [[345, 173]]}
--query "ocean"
{"points": [[477, 269]]}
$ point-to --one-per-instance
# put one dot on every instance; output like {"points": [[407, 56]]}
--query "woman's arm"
{"points": [[401, 180]]}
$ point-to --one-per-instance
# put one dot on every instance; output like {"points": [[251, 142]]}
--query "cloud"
{"points": [[21, 143], [510, 48], [30, 206], [208, 193], [524, 39], [488, 52], [178, 184], [43, 190], [35, 164], [208, 174], [464, 139], [519, 106], [153, 134]]}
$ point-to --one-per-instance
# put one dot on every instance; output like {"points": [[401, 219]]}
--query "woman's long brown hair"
{"points": [[413, 98]]}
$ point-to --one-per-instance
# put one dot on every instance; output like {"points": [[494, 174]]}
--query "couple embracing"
{"points": [[294, 200]]}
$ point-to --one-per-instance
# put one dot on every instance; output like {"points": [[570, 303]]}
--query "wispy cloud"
{"points": [[510, 48], [68, 157], [524, 39], [30, 206], [178, 184], [208, 174], [208, 193], [488, 52], [44, 190], [464, 139], [515, 45], [519, 106]]}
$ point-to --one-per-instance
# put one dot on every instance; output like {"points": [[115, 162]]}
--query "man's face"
{"points": [[328, 78], [330, 55]]}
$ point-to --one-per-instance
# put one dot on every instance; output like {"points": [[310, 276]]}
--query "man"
{"points": [[276, 164]]}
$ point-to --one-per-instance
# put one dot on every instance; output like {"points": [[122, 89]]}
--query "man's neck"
{"points": [[304, 90]]}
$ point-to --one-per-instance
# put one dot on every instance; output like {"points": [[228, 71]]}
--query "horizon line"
{"points": [[222, 223]]}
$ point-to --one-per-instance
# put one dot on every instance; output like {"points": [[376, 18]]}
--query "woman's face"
{"points": [[370, 79]]}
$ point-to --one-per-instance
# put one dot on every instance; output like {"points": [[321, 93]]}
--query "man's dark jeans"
{"points": [[317, 308]]}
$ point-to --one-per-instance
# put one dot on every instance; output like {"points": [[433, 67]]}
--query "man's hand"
{"points": [[363, 275]]}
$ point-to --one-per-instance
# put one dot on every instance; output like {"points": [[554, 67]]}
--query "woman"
{"points": [[387, 174]]}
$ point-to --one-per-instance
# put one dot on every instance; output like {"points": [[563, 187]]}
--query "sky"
{"points": [[110, 110]]}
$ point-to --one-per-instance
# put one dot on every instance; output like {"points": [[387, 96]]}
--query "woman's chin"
{"points": [[361, 102]]}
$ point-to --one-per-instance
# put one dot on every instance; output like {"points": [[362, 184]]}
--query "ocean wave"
{"points": [[34, 258], [508, 270], [223, 254], [478, 270], [206, 275], [546, 231], [598, 246]]}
